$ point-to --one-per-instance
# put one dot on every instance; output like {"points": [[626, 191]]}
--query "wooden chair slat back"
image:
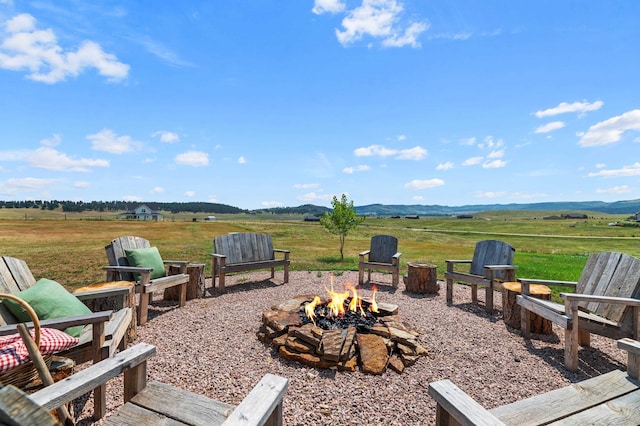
{"points": [[491, 252], [116, 252], [382, 248], [241, 247], [15, 276], [610, 274]]}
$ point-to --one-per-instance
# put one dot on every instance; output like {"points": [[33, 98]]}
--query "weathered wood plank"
{"points": [[457, 404], [181, 405], [566, 401], [133, 415], [262, 405], [84, 381], [620, 411]]}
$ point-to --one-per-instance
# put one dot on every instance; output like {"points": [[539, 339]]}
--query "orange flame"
{"points": [[374, 306], [337, 299]]}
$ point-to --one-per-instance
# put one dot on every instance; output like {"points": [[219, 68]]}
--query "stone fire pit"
{"points": [[390, 342]]}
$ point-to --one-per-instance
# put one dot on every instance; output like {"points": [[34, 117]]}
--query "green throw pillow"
{"points": [[49, 300], [147, 258]]}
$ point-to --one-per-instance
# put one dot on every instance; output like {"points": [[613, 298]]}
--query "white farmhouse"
{"points": [[142, 212]]}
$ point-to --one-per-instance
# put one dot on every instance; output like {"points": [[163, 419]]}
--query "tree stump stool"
{"points": [[195, 286], [113, 302], [511, 309], [421, 278]]}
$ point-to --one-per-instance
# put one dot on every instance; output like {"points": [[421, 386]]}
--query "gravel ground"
{"points": [[210, 347]]}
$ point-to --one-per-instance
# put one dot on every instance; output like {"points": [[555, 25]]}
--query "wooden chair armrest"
{"points": [[364, 253], [458, 261], [633, 358], [84, 381], [397, 255], [218, 255], [548, 283], [257, 407], [573, 297], [459, 405], [175, 262], [501, 267], [102, 293], [136, 269], [62, 323], [281, 251]]}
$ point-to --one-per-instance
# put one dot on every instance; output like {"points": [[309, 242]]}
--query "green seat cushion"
{"points": [[49, 300], [147, 258]]}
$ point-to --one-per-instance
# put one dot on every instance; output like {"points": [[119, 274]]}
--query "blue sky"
{"points": [[266, 103]]}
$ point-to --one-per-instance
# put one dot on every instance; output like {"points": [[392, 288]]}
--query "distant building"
{"points": [[209, 218], [465, 216], [637, 215], [311, 218], [412, 216], [142, 212]]}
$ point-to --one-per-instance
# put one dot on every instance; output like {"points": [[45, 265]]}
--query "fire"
{"points": [[336, 305]]}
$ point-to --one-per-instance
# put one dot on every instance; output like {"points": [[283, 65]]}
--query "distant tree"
{"points": [[341, 220]]}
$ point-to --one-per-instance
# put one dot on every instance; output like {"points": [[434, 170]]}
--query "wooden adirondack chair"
{"points": [[606, 302], [119, 269], [104, 332], [145, 404], [492, 263], [382, 255]]}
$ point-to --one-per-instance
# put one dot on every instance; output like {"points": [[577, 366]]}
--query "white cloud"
{"points": [[626, 171], [415, 153], [306, 185], [360, 168], [14, 186], [496, 154], [331, 6], [550, 127], [473, 161], [271, 204], [423, 184], [190, 194], [193, 158], [377, 150], [242, 160], [417, 198], [622, 189], [167, 137], [565, 107], [490, 142], [380, 19], [445, 166], [38, 53], [611, 130], [132, 198], [401, 137], [81, 185], [157, 190], [495, 164], [600, 166], [52, 141], [313, 196], [160, 51], [489, 194], [468, 141], [107, 141], [51, 159]]}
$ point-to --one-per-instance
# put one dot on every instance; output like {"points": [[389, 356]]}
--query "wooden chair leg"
{"points": [[360, 275], [571, 337], [273, 273], [525, 322], [449, 291], [221, 283], [488, 305], [286, 273], [143, 310], [183, 295], [584, 338], [474, 293], [395, 278]]}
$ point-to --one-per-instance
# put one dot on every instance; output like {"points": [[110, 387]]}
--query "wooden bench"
{"points": [[145, 403], [245, 251], [611, 398]]}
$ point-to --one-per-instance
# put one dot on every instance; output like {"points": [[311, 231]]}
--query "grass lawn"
{"points": [[69, 248]]}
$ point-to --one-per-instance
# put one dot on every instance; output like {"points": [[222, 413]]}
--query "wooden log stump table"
{"points": [[421, 278], [511, 309], [195, 286]]}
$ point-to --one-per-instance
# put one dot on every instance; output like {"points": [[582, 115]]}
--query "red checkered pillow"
{"points": [[13, 351]]}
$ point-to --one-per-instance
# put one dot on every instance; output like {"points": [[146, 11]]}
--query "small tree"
{"points": [[341, 220]]}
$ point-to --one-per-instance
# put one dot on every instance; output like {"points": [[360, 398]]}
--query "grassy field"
{"points": [[69, 248]]}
